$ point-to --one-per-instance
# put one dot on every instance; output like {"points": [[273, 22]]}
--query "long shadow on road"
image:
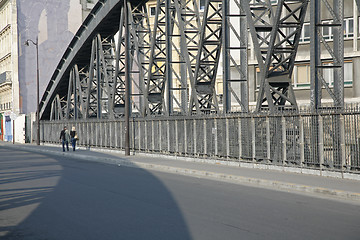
{"points": [[47, 197]]}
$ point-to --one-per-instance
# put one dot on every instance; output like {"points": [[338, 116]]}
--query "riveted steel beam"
{"points": [[58, 108], [235, 57], [101, 78], [329, 74], [76, 101], [276, 32], [184, 45], [159, 59], [203, 97]]}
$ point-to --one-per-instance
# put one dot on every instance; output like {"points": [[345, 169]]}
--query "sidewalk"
{"points": [[285, 179]]}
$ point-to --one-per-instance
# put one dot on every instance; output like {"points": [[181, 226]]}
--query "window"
{"points": [[202, 5], [301, 75], [348, 28], [348, 25], [291, 31], [152, 11], [305, 33], [327, 31], [348, 73]]}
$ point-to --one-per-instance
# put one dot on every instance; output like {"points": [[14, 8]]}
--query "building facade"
{"points": [[51, 24], [9, 81]]}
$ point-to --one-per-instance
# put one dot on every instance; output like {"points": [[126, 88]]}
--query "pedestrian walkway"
{"points": [[285, 179]]}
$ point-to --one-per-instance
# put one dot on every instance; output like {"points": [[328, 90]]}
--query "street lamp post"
{"points": [[27, 43]]}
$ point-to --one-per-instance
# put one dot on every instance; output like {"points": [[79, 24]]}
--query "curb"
{"points": [[257, 182], [251, 165]]}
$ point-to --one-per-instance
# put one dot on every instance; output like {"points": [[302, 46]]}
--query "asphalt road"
{"points": [[44, 197]]}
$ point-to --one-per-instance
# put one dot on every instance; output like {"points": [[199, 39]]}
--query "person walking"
{"points": [[65, 137], [74, 137]]}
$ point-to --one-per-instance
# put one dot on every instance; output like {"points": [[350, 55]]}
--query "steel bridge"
{"points": [[162, 69], [171, 61]]}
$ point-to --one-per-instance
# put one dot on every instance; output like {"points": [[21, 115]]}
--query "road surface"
{"points": [[44, 197]]}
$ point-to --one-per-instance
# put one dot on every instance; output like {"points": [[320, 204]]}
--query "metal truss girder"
{"points": [[203, 96], [260, 20], [235, 58], [159, 57], [184, 45], [76, 98], [140, 41], [276, 50], [118, 90], [100, 77], [58, 108], [335, 51]]}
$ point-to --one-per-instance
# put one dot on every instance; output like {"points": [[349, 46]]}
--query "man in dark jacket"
{"points": [[65, 137]]}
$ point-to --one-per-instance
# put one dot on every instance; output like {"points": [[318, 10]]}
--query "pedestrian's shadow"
{"points": [[49, 197]]}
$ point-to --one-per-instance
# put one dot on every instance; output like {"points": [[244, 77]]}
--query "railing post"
{"points": [[88, 135], [268, 149], [121, 135], [176, 137], [103, 135], [160, 132], [97, 135], [146, 136], [152, 136], [342, 142], [227, 138], [302, 144], [185, 137], [205, 136], [321, 142], [215, 137], [194, 134], [168, 135], [239, 137], [139, 129], [253, 141], [283, 140]]}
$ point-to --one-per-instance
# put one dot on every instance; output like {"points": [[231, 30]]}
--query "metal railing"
{"points": [[321, 141]]}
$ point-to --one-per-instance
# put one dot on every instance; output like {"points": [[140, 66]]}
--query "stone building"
{"points": [[49, 23]]}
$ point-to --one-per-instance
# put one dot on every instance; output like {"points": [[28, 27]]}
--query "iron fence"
{"points": [[321, 141]]}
